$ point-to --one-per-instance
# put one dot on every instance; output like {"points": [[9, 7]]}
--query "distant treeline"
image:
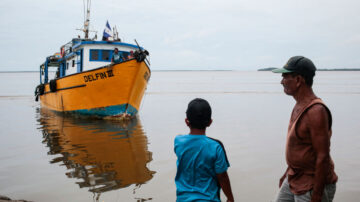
{"points": [[342, 69], [267, 69], [336, 69]]}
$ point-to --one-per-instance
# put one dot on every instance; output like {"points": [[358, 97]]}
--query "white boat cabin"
{"points": [[82, 55]]}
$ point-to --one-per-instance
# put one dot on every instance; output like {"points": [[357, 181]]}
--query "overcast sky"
{"points": [[184, 34]]}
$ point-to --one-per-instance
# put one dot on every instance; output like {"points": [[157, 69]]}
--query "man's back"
{"points": [[199, 160]]}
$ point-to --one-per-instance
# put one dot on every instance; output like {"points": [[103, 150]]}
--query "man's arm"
{"points": [[317, 120], [283, 177], [224, 182]]}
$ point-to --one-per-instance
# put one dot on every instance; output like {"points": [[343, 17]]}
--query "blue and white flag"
{"points": [[107, 32]]}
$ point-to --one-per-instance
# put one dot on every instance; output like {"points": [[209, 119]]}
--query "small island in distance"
{"points": [[336, 69]]}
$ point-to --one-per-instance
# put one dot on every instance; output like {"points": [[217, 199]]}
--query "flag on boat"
{"points": [[107, 35]]}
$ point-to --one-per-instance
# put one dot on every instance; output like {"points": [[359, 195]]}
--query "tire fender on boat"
{"points": [[39, 90], [52, 85]]}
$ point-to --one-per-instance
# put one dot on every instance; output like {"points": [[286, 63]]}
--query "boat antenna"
{"points": [[115, 36]]}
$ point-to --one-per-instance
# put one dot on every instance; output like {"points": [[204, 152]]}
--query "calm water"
{"points": [[49, 157]]}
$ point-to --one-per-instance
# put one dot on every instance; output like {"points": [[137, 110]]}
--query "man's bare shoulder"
{"points": [[317, 109], [317, 116]]}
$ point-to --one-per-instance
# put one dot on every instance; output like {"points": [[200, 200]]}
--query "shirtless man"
{"points": [[310, 173]]}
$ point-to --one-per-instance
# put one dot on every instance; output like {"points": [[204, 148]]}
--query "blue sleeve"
{"points": [[221, 162], [175, 144], [177, 141]]}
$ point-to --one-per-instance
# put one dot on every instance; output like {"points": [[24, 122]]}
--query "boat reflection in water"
{"points": [[106, 154]]}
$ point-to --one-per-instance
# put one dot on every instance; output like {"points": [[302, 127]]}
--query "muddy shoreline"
{"points": [[7, 199]]}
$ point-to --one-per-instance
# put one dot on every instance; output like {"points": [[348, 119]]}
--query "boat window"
{"points": [[125, 54], [101, 55], [73, 63], [106, 55], [94, 55]]}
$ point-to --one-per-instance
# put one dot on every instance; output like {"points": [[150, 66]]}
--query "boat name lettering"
{"points": [[100, 75]]}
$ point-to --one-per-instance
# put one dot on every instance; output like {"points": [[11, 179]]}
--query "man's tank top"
{"points": [[301, 157]]}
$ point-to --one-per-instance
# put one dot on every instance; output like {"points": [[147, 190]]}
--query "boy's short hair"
{"points": [[199, 113]]}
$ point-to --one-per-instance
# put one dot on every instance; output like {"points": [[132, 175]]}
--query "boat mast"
{"points": [[86, 28], [87, 20]]}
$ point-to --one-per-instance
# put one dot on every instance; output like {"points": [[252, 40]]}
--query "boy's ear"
{"points": [[210, 122], [187, 122]]}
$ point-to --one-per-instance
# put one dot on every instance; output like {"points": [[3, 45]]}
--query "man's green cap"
{"points": [[297, 64]]}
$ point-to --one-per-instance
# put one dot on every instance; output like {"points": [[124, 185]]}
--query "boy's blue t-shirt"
{"points": [[200, 158]]}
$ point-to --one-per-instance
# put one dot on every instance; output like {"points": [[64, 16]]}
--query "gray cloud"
{"points": [[202, 34]]}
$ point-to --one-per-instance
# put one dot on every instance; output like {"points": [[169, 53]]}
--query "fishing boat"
{"points": [[88, 82]]}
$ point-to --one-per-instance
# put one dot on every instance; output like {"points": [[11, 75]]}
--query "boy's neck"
{"points": [[196, 131]]}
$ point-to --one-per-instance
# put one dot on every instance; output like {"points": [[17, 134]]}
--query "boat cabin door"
{"points": [[79, 60]]}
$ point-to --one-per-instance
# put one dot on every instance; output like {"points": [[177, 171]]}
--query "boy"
{"points": [[202, 161]]}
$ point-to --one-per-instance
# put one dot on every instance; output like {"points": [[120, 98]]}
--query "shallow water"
{"points": [[49, 157]]}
